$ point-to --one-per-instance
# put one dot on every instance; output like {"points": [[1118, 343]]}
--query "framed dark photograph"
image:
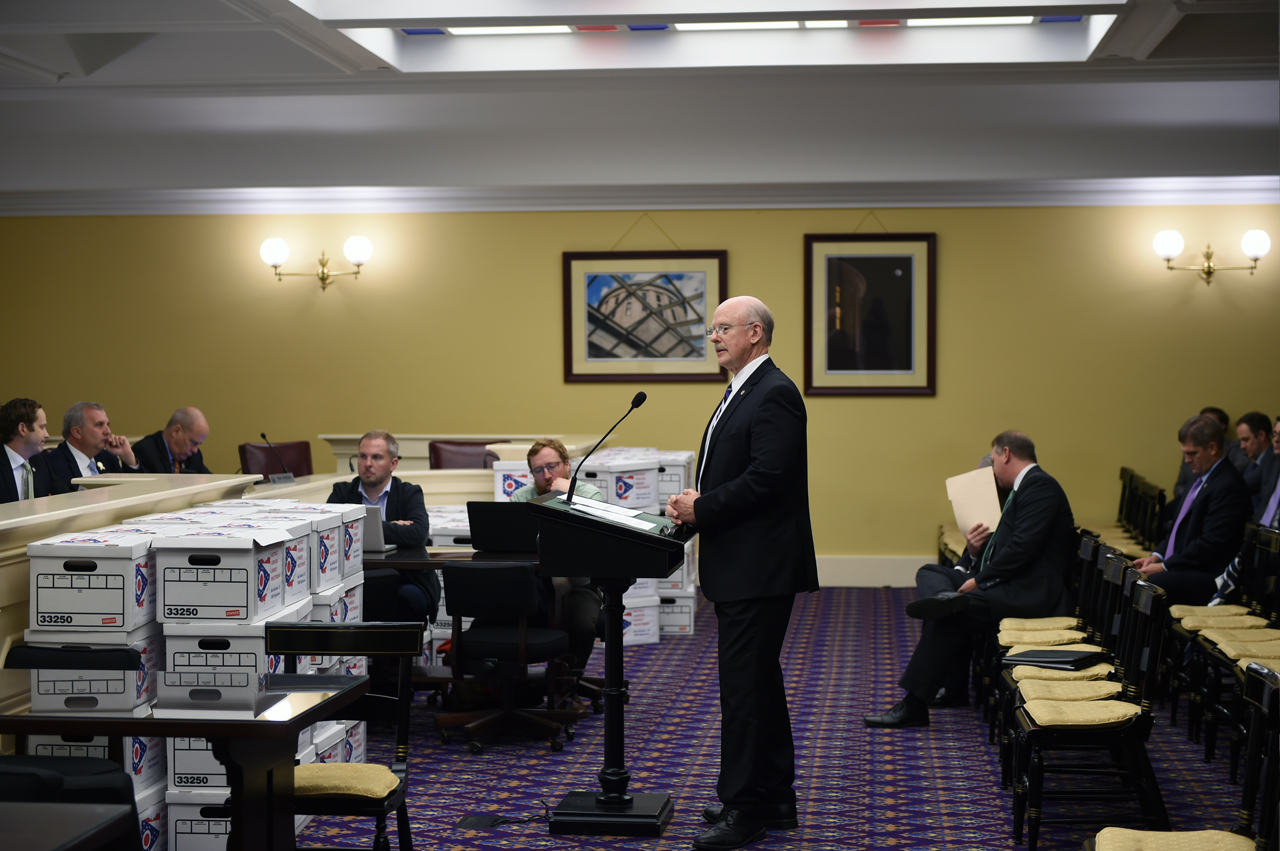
{"points": [[642, 315], [869, 316]]}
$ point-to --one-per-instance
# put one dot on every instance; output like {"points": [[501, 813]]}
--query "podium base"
{"points": [[578, 814]]}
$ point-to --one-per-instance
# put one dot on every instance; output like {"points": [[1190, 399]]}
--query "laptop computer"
{"points": [[502, 527], [373, 540]]}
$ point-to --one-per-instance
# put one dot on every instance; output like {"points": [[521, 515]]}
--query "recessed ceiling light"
{"points": [[742, 25], [826, 25], [508, 30], [969, 22]]}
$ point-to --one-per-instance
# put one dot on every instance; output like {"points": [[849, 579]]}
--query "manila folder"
{"points": [[973, 497]]}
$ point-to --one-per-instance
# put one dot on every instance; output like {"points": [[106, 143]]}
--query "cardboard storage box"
{"points": [[223, 663], [356, 732], [198, 820], [353, 598], [296, 580], [676, 611], [686, 574], [641, 588], [326, 607], [331, 745], [325, 551], [509, 477], [450, 526], [630, 483], [355, 666], [192, 765], [639, 622], [143, 756], [352, 521], [153, 813], [675, 473], [92, 580], [98, 692], [221, 575]]}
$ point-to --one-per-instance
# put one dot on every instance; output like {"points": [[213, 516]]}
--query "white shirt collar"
{"points": [[15, 460], [741, 377], [380, 493], [1023, 474], [81, 460]]}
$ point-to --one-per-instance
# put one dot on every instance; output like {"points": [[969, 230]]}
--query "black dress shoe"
{"points": [[938, 606], [773, 816], [733, 830], [901, 715]]}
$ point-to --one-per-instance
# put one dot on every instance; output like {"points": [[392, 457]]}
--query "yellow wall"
{"points": [[1058, 321]]}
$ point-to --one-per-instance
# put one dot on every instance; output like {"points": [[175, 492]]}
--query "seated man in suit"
{"points": [[389, 594], [1268, 514], [176, 447], [1021, 573], [580, 607], [1209, 526], [1232, 449], [25, 428], [88, 447], [1254, 431]]}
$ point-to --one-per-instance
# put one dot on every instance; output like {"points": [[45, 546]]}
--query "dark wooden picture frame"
{"points": [[648, 320], [887, 346]]}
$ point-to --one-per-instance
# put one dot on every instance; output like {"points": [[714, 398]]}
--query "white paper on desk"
{"points": [[974, 499], [610, 516], [601, 505]]}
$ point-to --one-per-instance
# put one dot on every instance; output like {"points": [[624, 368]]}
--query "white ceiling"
{"points": [[135, 104]]}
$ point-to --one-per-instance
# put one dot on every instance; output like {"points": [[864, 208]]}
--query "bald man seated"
{"points": [[176, 448]]}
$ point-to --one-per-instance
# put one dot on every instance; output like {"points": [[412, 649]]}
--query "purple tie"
{"points": [[1186, 506], [1269, 516]]}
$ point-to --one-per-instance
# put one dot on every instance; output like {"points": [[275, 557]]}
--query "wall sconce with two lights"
{"points": [[358, 250], [1168, 244]]}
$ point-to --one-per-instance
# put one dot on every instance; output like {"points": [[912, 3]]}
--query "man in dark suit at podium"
{"points": [[751, 507], [25, 428]]}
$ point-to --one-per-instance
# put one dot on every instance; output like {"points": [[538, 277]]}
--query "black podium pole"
{"points": [[567, 541]]}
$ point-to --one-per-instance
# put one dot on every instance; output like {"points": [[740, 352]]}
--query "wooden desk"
{"points": [[64, 827], [257, 752]]}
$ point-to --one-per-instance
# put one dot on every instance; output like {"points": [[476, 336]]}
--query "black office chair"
{"points": [[341, 789], [70, 780], [503, 592], [461, 454], [266, 459]]}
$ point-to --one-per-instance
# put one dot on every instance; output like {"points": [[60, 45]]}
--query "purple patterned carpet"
{"points": [[935, 787]]}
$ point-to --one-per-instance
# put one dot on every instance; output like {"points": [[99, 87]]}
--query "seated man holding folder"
{"points": [[1021, 572]]}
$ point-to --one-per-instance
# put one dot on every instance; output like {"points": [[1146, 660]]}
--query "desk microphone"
{"points": [[263, 435], [636, 402]]}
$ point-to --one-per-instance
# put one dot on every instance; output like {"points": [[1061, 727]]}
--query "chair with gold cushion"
{"points": [[1262, 693], [1081, 586], [1117, 728], [343, 789]]}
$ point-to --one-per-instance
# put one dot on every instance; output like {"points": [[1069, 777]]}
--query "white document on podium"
{"points": [[974, 499]]}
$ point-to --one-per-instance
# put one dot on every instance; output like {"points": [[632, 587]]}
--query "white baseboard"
{"points": [[871, 571]]}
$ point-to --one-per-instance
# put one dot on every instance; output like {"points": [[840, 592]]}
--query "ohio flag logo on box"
{"points": [[510, 484], [264, 579], [624, 487], [275, 664], [290, 565], [348, 540], [139, 751], [139, 586], [142, 681], [150, 835], [324, 554]]}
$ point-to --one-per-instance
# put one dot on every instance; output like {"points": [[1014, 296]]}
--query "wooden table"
{"points": [[258, 752], [65, 827]]}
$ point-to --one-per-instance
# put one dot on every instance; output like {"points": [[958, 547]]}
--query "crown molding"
{"points": [[1106, 192]]}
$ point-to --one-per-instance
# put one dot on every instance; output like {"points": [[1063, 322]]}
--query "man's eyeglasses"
{"points": [[546, 469], [724, 329]]}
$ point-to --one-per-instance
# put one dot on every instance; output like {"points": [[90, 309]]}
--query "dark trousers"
{"points": [[941, 658], [1186, 587], [757, 754], [390, 596]]}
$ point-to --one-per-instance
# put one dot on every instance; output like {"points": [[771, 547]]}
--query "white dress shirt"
{"points": [[88, 467], [734, 387], [17, 461], [381, 500]]}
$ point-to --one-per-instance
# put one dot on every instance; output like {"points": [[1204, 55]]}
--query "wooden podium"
{"points": [[572, 542]]}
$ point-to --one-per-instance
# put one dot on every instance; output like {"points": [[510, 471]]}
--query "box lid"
{"points": [[329, 596], [331, 738], [223, 629], [91, 544], [171, 518], [348, 511], [149, 797], [621, 465], [641, 602], [349, 582], [319, 520], [205, 538], [294, 528], [197, 797], [90, 637]]}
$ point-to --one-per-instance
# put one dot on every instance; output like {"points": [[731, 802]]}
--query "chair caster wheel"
{"points": [[556, 746], [569, 733], [476, 748], [597, 707], [446, 737]]}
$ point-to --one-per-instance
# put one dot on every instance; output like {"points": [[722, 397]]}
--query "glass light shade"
{"points": [[1168, 244], [1255, 244], [358, 250], [275, 252]]}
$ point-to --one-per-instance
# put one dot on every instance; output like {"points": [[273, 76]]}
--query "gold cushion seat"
{"points": [[1038, 638], [1081, 713], [1199, 622], [1270, 664], [1022, 648], [1079, 690], [1124, 839], [1038, 624], [1218, 636], [363, 780], [1025, 673], [1250, 649], [1181, 611]]}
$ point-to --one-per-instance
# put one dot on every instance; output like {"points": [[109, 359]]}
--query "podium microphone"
{"points": [[281, 478], [636, 402]]}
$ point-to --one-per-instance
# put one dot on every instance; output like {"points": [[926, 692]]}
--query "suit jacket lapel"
{"points": [[10, 484], [730, 409]]}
